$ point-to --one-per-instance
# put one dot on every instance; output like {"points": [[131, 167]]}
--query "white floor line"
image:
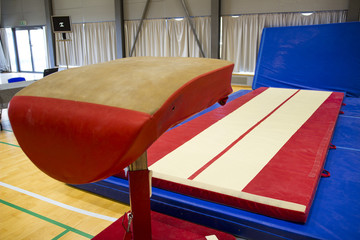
{"points": [[71, 208]]}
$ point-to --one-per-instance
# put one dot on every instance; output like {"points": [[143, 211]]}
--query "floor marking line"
{"points": [[7, 130], [61, 234], [68, 207], [84, 234], [9, 144]]}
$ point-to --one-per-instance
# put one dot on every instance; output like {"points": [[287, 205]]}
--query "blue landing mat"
{"points": [[347, 133], [352, 107], [318, 57]]}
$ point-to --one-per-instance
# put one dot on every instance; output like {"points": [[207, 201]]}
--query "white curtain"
{"points": [[89, 43], [151, 39], [241, 34], [100, 42], [130, 28], [298, 19], [5, 65], [240, 37], [168, 37], [178, 34], [95, 42], [202, 27]]}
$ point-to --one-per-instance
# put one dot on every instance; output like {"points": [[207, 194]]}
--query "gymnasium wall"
{"points": [[165, 8], [15, 11], [233, 7], [85, 10], [33, 11], [172, 8]]}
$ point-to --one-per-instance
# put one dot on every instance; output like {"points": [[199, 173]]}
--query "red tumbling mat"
{"points": [[165, 228], [263, 152]]}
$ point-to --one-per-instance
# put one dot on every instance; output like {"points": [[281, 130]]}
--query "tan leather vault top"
{"points": [[144, 83]]}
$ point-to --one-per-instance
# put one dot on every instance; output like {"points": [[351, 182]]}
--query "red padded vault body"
{"points": [[86, 124]]}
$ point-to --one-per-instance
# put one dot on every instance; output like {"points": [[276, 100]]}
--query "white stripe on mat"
{"points": [[237, 167], [192, 155]]}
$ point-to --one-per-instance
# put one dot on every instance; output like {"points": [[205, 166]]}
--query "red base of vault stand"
{"points": [[147, 225], [164, 227]]}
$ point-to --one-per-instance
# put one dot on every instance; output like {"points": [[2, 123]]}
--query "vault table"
{"points": [[86, 124]]}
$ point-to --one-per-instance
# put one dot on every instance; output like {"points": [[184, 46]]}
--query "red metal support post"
{"points": [[139, 187]]}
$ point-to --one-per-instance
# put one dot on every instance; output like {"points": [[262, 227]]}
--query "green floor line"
{"points": [[68, 228], [7, 130], [61, 234], [9, 144]]}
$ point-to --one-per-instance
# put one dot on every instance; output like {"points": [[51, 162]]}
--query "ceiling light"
{"points": [[306, 13]]}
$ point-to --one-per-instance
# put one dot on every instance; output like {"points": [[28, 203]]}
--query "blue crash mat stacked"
{"points": [[318, 57]]}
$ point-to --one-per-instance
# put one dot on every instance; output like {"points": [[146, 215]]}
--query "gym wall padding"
{"points": [[318, 57]]}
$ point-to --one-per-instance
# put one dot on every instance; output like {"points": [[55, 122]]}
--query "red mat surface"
{"points": [[283, 182]]}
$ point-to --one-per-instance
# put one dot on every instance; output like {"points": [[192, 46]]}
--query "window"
{"points": [[31, 49]]}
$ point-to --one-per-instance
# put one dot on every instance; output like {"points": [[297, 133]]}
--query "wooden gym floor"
{"points": [[35, 206]]}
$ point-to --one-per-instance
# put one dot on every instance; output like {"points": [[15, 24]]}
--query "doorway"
{"points": [[31, 49]]}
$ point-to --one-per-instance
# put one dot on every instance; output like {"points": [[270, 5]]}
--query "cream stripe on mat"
{"points": [[246, 159], [194, 154]]}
